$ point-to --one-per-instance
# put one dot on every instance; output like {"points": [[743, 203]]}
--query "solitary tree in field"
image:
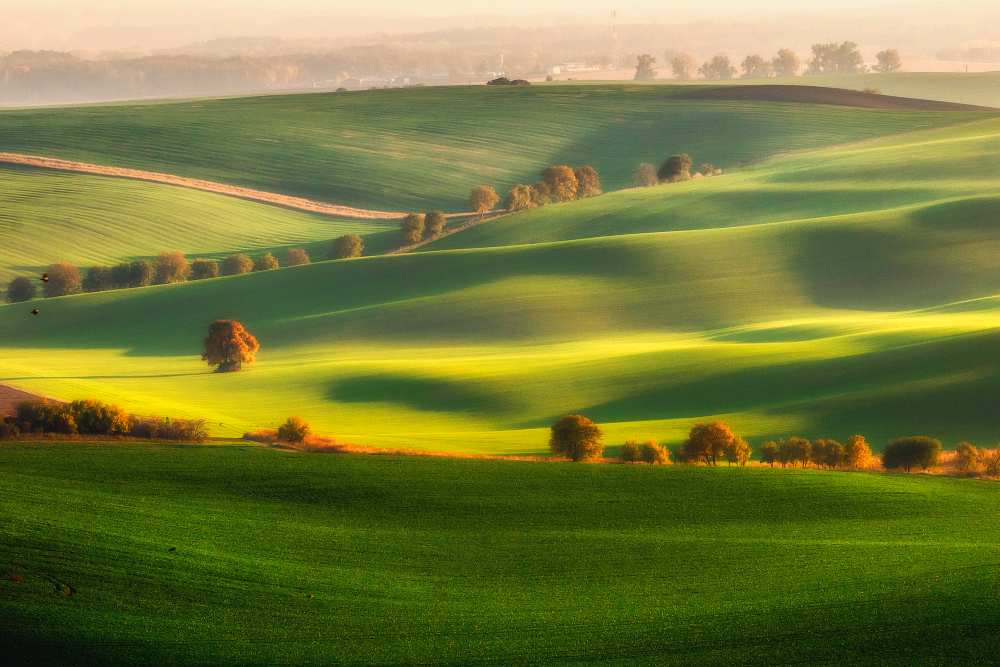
{"points": [[297, 257], [266, 262], [64, 278], [412, 228], [483, 199], [229, 345], [645, 175], [434, 223], [576, 438], [21, 289], [204, 268], [234, 265], [708, 442], [562, 182], [645, 68], [888, 61], [294, 430], [172, 267], [684, 67], [857, 452], [676, 168], [347, 246], [786, 63], [588, 182], [911, 452]]}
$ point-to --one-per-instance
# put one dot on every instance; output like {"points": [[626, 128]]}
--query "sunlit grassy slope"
{"points": [[245, 556], [881, 322], [48, 216], [419, 148]]}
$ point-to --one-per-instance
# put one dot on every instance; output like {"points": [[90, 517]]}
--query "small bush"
{"points": [[294, 430], [654, 453], [434, 223], [172, 267], [204, 268], [630, 452], [967, 457], [235, 265], [297, 257], [676, 168], [412, 228], [266, 262], [99, 279], [8, 430], [644, 175], [347, 246], [911, 452], [163, 428], [96, 418], [21, 289], [64, 278], [577, 438]]}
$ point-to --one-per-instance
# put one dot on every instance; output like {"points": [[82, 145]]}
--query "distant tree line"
{"points": [[828, 58], [578, 438], [93, 417]]}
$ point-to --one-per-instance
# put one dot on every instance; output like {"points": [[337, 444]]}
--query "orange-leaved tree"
{"points": [[229, 345]]}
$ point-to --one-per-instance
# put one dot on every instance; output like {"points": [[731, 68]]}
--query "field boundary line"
{"points": [[263, 196]]}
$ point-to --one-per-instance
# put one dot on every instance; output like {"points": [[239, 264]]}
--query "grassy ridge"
{"points": [[919, 168], [48, 216], [419, 148], [290, 559], [811, 326]]}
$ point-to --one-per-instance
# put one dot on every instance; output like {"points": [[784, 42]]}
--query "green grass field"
{"points": [[422, 148], [846, 289], [49, 216], [240, 555]]}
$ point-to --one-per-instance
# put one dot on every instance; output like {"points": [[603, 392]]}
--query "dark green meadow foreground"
{"points": [[287, 558]]}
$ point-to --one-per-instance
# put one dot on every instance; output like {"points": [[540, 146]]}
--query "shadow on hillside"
{"points": [[421, 393]]}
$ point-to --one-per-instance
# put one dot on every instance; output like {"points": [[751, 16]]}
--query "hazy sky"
{"points": [[97, 24]]}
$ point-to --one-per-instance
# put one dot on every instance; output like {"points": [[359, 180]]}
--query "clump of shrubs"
{"points": [[347, 247], [649, 452], [93, 417], [294, 430], [560, 183], [675, 169]]}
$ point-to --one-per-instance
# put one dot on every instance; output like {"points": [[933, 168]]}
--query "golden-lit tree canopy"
{"points": [[229, 346]]}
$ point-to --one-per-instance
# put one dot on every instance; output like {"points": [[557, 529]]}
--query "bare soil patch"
{"points": [[10, 397]]}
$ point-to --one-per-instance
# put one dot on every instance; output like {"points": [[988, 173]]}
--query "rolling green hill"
{"points": [[241, 555], [49, 216], [418, 148], [845, 289]]}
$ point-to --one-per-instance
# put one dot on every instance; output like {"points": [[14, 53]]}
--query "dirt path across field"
{"points": [[299, 203]]}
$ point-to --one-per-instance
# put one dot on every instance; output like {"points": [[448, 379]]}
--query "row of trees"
{"points": [[828, 58], [558, 183], [579, 439], [417, 227], [93, 417], [63, 278]]}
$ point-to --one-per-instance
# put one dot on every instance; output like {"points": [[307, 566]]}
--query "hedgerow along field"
{"points": [[50, 216], [880, 322], [425, 148], [244, 555]]}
